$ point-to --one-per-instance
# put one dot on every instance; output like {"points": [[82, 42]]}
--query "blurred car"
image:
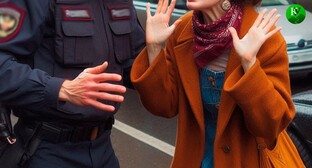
{"points": [[298, 36], [307, 4], [300, 128]]}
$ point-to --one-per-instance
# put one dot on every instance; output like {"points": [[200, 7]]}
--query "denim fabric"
{"points": [[211, 84], [210, 132]]}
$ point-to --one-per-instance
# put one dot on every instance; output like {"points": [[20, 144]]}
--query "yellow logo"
{"points": [[11, 18], [8, 24]]}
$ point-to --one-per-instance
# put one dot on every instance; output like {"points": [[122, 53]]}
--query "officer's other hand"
{"points": [[90, 86]]}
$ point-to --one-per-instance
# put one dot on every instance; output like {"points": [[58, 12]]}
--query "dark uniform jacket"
{"points": [[53, 40]]}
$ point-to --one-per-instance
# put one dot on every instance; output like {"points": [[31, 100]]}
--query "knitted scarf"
{"points": [[211, 40]]}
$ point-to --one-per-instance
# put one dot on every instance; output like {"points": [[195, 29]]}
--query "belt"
{"points": [[55, 133]]}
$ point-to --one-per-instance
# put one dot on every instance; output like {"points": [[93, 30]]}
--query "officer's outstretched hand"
{"points": [[90, 86]]}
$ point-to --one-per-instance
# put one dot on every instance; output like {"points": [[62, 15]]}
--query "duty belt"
{"points": [[55, 133]]}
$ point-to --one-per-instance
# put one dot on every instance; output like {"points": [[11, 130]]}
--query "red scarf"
{"points": [[211, 40]]}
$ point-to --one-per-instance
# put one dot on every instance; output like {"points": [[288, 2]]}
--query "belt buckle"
{"points": [[94, 133]]}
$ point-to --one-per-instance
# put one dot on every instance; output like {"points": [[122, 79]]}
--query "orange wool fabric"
{"points": [[170, 87]]}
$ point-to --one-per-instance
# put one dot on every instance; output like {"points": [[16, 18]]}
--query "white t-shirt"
{"points": [[220, 63]]}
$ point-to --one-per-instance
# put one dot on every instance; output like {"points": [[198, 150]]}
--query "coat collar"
{"points": [[190, 75]]}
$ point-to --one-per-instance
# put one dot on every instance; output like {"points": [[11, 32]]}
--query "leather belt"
{"points": [[55, 133]]}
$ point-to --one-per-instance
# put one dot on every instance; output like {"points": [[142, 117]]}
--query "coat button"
{"points": [[226, 149]]}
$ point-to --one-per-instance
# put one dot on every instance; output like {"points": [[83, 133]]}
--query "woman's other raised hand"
{"points": [[248, 47]]}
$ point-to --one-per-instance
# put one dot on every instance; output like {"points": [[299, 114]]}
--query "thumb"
{"points": [[97, 69], [174, 25], [233, 33]]}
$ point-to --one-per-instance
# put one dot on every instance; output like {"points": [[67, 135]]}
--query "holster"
{"points": [[6, 132], [14, 152]]}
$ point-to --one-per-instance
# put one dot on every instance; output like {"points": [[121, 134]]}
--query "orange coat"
{"points": [[257, 103]]}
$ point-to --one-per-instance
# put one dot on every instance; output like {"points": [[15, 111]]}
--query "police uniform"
{"points": [[43, 42]]}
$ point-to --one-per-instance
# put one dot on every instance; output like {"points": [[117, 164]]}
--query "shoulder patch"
{"points": [[11, 19]]}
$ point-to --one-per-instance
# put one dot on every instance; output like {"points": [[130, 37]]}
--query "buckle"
{"points": [[95, 133], [11, 139]]}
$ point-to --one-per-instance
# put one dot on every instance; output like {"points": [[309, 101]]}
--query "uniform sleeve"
{"points": [[263, 93], [23, 86], [20, 85]]}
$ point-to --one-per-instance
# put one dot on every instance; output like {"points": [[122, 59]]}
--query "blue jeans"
{"points": [[211, 84]]}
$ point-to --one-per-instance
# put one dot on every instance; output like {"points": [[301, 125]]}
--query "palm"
{"points": [[157, 26], [248, 47], [157, 29]]}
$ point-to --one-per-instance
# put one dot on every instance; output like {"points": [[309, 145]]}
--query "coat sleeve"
{"points": [[263, 93], [20, 85], [156, 83]]}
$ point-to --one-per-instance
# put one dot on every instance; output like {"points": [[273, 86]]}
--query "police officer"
{"points": [[65, 108]]}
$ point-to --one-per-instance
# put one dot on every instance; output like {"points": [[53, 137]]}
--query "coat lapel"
{"points": [[189, 73], [227, 104], [190, 79]]}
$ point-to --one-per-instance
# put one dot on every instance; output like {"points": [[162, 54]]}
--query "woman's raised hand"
{"points": [[157, 26], [248, 47], [158, 29]]}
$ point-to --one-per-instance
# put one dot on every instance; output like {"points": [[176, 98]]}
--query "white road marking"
{"points": [[143, 137]]}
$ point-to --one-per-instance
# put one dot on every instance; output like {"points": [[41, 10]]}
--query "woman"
{"points": [[224, 72]]}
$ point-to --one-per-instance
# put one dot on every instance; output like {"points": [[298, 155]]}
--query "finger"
{"points": [[267, 19], [171, 7], [233, 34], [105, 77], [97, 69], [174, 25], [164, 6], [148, 10], [177, 22], [109, 87], [159, 6], [271, 23], [100, 105], [105, 96], [271, 33], [260, 17]]}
